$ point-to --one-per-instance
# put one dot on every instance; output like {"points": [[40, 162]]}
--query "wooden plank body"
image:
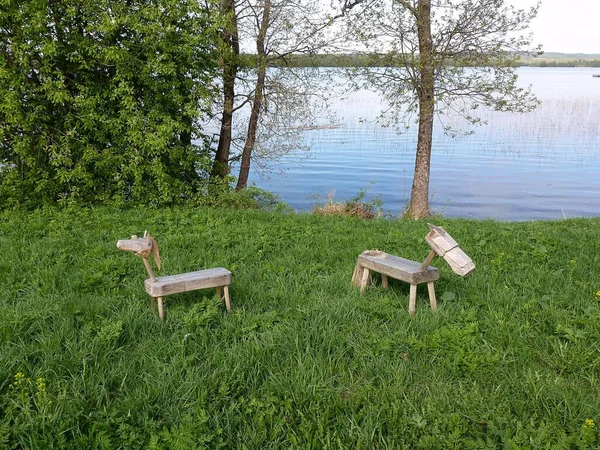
{"points": [[400, 268], [445, 246], [201, 279]]}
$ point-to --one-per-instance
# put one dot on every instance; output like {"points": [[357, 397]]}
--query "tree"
{"points": [[229, 65], [101, 101], [444, 56], [278, 102], [263, 24]]}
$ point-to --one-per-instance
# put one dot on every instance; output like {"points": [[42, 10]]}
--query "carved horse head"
{"points": [[142, 247], [445, 246]]}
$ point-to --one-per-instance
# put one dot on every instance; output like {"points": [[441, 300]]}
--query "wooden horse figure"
{"points": [[159, 287], [413, 272]]}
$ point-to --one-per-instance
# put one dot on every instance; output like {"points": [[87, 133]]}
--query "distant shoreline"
{"points": [[373, 60]]}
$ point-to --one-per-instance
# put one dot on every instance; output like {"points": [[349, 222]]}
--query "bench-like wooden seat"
{"points": [[400, 268], [201, 279]]}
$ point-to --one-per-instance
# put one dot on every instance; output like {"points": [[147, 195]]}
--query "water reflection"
{"points": [[540, 165]]}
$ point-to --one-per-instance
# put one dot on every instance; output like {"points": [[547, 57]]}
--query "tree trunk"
{"points": [[242, 182], [419, 195], [220, 167]]}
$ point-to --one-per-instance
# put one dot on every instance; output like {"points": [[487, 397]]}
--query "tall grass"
{"points": [[554, 122], [510, 360]]}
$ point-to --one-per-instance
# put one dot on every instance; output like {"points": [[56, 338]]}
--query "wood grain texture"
{"points": [[365, 280], [227, 299], [426, 263], [412, 300], [140, 246], [440, 243], [445, 246], [400, 268], [190, 281], [432, 300], [161, 310], [149, 269]]}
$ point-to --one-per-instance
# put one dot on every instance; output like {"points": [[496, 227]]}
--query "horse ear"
{"points": [[155, 253]]}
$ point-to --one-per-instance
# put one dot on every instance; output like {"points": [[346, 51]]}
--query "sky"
{"points": [[562, 26], [566, 26]]}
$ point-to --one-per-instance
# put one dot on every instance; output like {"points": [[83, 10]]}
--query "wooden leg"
{"points": [[412, 300], [161, 312], [227, 300], [384, 281], [153, 305], [365, 280], [220, 292], [432, 300]]}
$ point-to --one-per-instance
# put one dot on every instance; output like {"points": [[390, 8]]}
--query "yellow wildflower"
{"points": [[20, 380]]}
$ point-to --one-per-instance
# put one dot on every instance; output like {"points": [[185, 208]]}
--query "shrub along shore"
{"points": [[510, 360]]}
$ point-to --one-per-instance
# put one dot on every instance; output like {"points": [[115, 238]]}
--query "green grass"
{"points": [[510, 360]]}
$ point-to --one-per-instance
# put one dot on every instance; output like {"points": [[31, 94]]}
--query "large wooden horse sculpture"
{"points": [[159, 287], [413, 272]]}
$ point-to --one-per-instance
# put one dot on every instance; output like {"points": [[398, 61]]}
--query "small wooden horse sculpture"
{"points": [[159, 287], [414, 272]]}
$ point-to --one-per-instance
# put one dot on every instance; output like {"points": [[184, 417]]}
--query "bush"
{"points": [[100, 101], [355, 207]]}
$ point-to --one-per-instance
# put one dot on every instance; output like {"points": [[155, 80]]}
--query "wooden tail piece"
{"points": [[357, 275]]}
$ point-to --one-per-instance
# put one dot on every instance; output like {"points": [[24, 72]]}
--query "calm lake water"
{"points": [[539, 165]]}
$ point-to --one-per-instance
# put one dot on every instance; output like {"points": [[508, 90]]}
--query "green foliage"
{"points": [[222, 193], [475, 46], [380, 60], [510, 360], [100, 101], [549, 59], [546, 62]]}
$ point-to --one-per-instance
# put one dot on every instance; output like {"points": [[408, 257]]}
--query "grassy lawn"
{"points": [[510, 360]]}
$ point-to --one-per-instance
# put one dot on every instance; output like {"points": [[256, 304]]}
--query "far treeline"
{"points": [[382, 60]]}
